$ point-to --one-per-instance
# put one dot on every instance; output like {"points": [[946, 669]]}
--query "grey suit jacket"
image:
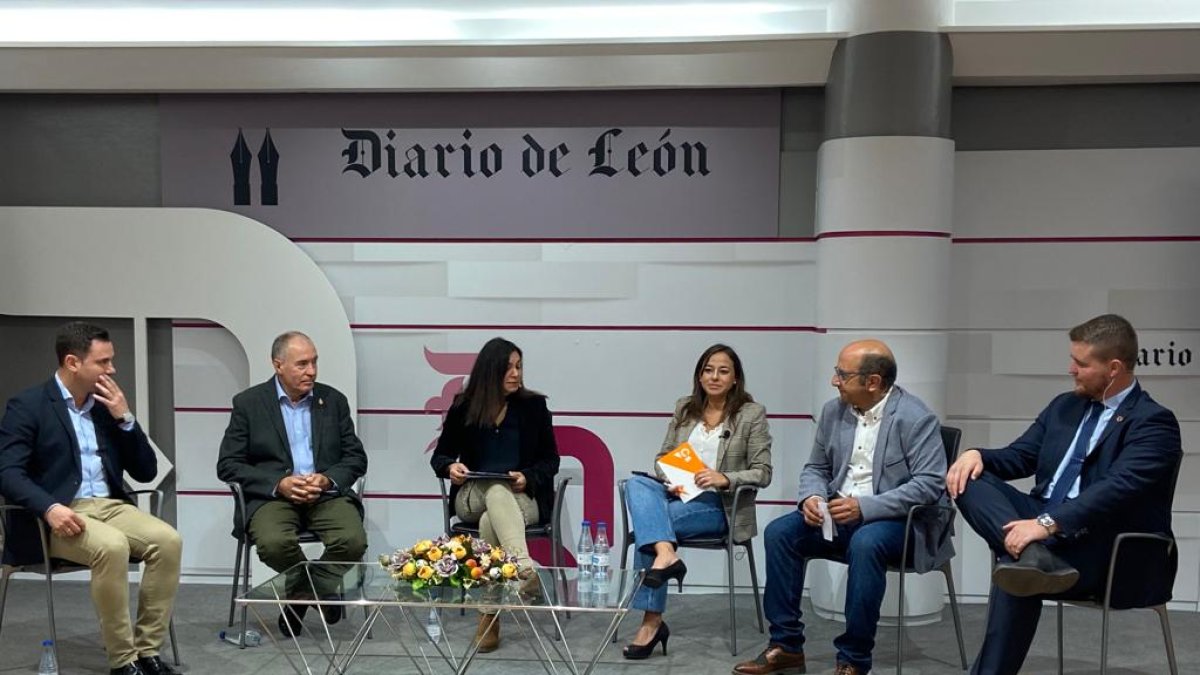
{"points": [[744, 457], [909, 469]]}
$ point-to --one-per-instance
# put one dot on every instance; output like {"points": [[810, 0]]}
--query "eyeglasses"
{"points": [[843, 375]]}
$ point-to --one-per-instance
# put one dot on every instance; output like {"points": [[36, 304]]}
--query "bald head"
{"points": [[871, 357]]}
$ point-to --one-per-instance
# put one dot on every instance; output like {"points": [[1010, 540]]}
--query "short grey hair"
{"points": [[280, 344]]}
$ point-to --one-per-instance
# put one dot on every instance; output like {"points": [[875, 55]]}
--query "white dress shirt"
{"points": [[860, 479], [707, 443]]}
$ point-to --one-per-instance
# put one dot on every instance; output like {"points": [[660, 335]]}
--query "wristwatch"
{"points": [[128, 417], [1047, 522]]}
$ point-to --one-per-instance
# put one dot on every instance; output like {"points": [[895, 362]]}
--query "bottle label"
{"points": [[600, 560]]}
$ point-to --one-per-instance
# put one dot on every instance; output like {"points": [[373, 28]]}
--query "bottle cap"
{"points": [[47, 643], [587, 522]]}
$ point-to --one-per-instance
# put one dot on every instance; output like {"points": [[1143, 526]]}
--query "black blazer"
{"points": [[1126, 484], [40, 461], [538, 458], [255, 452]]}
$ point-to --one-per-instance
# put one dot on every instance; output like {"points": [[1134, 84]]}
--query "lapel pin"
{"points": [[321, 402], [1120, 418]]}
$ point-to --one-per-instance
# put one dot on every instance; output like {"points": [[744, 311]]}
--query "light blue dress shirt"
{"points": [[1110, 407], [297, 420], [93, 483]]}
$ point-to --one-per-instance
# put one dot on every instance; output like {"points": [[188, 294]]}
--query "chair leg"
{"points": [[1161, 610], [732, 601], [962, 650], [1104, 640], [237, 571], [50, 610], [245, 589], [1060, 638], [754, 585], [174, 641], [900, 626], [4, 574]]}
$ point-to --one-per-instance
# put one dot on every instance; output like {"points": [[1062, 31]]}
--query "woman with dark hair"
{"points": [[496, 425], [728, 431]]}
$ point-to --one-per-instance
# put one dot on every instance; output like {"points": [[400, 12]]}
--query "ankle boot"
{"points": [[488, 637]]}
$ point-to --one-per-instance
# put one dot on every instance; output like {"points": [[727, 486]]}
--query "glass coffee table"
{"points": [[540, 611]]}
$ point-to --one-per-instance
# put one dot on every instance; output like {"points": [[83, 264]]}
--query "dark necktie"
{"points": [[1078, 454]]}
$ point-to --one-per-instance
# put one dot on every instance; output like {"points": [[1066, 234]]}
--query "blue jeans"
{"points": [[867, 548], [657, 516]]}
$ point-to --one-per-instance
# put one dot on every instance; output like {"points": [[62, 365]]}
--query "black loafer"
{"points": [[130, 668], [291, 620], [153, 665], [332, 613], [1036, 572]]}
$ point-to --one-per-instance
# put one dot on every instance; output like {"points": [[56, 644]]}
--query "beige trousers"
{"points": [[114, 532], [501, 513]]}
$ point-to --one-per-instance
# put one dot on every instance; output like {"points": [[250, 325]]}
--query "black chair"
{"points": [[241, 560], [725, 543], [1130, 584], [549, 528], [52, 566], [951, 437]]}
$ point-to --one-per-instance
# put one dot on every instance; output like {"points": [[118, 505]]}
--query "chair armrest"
{"points": [[156, 499], [1125, 537], [741, 490], [625, 527], [445, 505], [560, 491], [239, 508]]}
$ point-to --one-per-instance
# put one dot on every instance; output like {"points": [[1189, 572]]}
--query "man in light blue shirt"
{"points": [[291, 446], [64, 447], [1104, 458]]}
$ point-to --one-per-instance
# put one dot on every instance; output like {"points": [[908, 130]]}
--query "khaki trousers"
{"points": [[114, 532], [501, 513], [275, 529]]}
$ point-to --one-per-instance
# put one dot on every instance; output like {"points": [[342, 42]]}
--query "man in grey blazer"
{"points": [[877, 452]]}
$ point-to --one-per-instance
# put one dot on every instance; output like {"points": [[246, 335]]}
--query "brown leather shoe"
{"points": [[772, 660], [488, 633], [847, 669]]}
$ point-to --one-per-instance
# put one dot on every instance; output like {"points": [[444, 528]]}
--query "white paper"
{"points": [[828, 529], [679, 478]]}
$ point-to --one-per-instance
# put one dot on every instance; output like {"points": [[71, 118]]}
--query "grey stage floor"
{"points": [[699, 643]]}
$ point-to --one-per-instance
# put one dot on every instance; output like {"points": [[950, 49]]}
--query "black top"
{"points": [[536, 456], [501, 447]]}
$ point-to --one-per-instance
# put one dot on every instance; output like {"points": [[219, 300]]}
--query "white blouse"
{"points": [[707, 443]]}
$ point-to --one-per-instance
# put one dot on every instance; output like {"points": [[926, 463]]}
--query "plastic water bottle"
{"points": [[600, 574], [48, 665], [253, 637], [583, 557], [433, 627]]}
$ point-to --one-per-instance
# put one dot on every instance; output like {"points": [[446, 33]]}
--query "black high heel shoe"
{"points": [[638, 652], [655, 578]]}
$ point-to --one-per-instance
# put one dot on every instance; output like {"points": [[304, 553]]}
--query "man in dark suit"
{"points": [[291, 445], [64, 446], [1104, 458]]}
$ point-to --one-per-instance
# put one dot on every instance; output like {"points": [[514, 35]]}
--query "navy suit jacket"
{"points": [[40, 461], [1127, 482]]}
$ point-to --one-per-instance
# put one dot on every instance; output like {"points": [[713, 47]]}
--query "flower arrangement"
{"points": [[459, 561]]}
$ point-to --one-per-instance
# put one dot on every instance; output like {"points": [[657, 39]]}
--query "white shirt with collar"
{"points": [[860, 479]]}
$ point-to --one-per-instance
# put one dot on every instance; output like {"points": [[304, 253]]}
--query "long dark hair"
{"points": [[734, 399], [484, 394]]}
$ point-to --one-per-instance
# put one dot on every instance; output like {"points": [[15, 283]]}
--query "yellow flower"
{"points": [[497, 554], [459, 552], [425, 573], [422, 546], [434, 555], [509, 570], [409, 569]]}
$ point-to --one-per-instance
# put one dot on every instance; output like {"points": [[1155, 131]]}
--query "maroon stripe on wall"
{"points": [[850, 234], [557, 413]]}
